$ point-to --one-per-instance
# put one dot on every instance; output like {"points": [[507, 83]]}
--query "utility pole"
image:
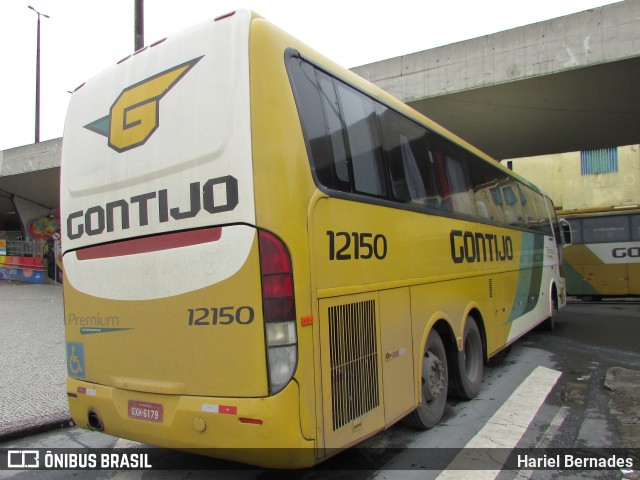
{"points": [[139, 25], [37, 135]]}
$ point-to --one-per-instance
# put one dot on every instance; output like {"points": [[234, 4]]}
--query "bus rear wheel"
{"points": [[435, 382], [468, 364], [550, 323]]}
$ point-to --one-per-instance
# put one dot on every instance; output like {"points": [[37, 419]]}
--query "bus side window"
{"points": [[496, 195], [461, 191], [532, 218], [365, 150], [512, 207], [635, 227], [317, 134], [406, 149], [606, 229], [529, 217], [335, 130], [456, 186], [544, 207], [437, 159], [487, 194], [576, 230]]}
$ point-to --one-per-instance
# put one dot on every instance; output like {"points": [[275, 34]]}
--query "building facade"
{"points": [[588, 179]]}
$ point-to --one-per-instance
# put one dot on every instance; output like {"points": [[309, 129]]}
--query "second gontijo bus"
{"points": [[604, 259], [262, 249]]}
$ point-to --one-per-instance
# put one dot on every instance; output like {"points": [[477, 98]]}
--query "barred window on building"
{"points": [[603, 160]]}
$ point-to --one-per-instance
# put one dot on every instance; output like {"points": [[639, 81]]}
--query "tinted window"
{"points": [[576, 230], [334, 131], [545, 209], [359, 116], [455, 185], [635, 227], [312, 118], [534, 209], [511, 206], [485, 179], [411, 168], [606, 229], [358, 145], [545, 203]]}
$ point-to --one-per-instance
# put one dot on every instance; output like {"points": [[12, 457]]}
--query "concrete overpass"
{"points": [[32, 173], [567, 84]]}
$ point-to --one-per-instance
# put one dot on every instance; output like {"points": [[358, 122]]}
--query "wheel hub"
{"points": [[433, 376]]}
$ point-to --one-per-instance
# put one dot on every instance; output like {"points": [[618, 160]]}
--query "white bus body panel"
{"points": [[202, 133]]}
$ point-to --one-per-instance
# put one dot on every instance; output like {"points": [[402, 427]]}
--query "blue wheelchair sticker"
{"points": [[75, 360]]}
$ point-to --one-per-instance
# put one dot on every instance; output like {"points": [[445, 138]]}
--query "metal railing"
{"points": [[25, 248]]}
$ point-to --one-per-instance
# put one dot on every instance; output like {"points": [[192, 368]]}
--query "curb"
{"points": [[18, 430]]}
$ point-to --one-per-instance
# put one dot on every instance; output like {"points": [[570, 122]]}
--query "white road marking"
{"points": [[506, 427], [544, 442], [124, 443], [127, 474]]}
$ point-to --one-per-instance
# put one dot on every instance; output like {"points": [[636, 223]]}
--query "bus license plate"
{"points": [[145, 411]]}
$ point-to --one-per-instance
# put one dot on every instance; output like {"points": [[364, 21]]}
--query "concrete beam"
{"points": [[32, 172], [31, 158], [532, 75], [602, 35]]}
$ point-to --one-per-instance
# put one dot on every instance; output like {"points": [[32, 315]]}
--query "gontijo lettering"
{"points": [[213, 196], [622, 252], [473, 247]]}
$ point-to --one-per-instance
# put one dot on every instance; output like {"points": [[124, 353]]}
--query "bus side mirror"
{"points": [[565, 229]]}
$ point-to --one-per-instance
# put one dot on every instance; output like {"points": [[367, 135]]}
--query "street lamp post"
{"points": [[38, 75], [139, 25]]}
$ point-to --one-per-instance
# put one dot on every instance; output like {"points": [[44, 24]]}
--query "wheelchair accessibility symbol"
{"points": [[75, 360]]}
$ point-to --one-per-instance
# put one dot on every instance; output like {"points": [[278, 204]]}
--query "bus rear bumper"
{"points": [[258, 431]]}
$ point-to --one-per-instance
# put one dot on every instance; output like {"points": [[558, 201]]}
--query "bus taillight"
{"points": [[278, 306]]}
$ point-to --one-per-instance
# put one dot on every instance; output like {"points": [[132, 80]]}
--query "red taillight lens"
{"points": [[274, 257], [277, 279], [277, 286], [278, 311]]}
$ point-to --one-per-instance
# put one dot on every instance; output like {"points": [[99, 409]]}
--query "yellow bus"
{"points": [[604, 258], [262, 249]]}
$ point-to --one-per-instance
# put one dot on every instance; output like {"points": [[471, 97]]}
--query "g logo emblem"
{"points": [[135, 114]]}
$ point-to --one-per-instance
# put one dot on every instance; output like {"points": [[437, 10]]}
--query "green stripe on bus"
{"points": [[527, 291]]}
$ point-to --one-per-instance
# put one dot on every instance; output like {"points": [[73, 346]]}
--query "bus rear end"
{"points": [[179, 312]]}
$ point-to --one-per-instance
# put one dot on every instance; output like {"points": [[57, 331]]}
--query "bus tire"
{"points": [[468, 365], [435, 379], [550, 323]]}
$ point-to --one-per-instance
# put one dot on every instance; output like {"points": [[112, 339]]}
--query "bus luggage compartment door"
{"points": [[351, 368]]}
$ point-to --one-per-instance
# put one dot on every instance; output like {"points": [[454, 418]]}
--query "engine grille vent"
{"points": [[354, 361]]}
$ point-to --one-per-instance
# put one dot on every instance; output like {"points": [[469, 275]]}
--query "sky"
{"points": [[83, 37]]}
